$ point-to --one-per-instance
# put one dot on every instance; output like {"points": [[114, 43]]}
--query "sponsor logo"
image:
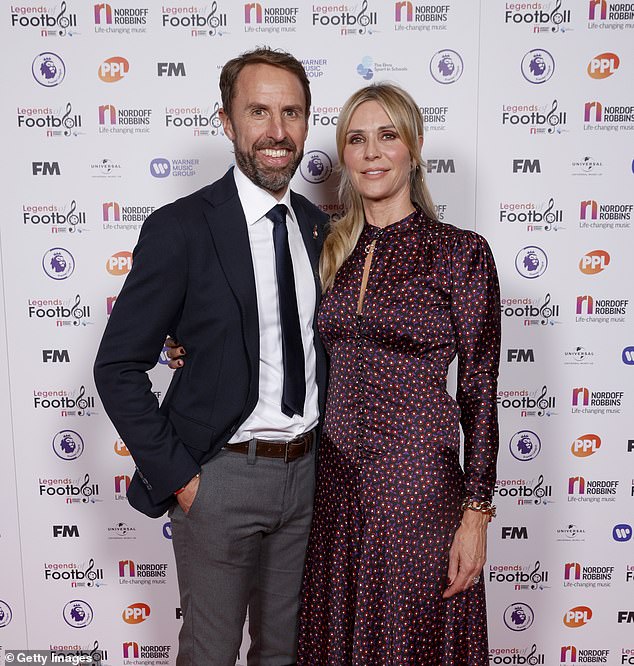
{"points": [[587, 166], [198, 23], [581, 489], [65, 531], [585, 445], [411, 17], [544, 216], [113, 69], [570, 655], [579, 356], [170, 69], [585, 401], [59, 219], [446, 66], [324, 116], [593, 262], [577, 617], [116, 120], [625, 617], [68, 445], [69, 312], [531, 262], [622, 532], [121, 485], [603, 65], [78, 575], [514, 532], [58, 122], [48, 69], [70, 403], [315, 67], [537, 66], [161, 167], [594, 215], [578, 575], [5, 614], [121, 531], [140, 573], [58, 263], [601, 311], [120, 448], [603, 14], [521, 165], [533, 312], [134, 650], [136, 613], [105, 168], [62, 654], [77, 613], [629, 573], [538, 20], [55, 356], [365, 69], [343, 18], [316, 166], [440, 165], [120, 263], [201, 121], [45, 168], [525, 445], [627, 355], [520, 356], [528, 402], [49, 22], [118, 217], [167, 530], [522, 577], [435, 117], [120, 20], [261, 17], [526, 493], [515, 655], [72, 490], [537, 119], [518, 617], [571, 533], [598, 116]]}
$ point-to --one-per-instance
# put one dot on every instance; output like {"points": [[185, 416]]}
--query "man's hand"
{"points": [[468, 552], [175, 353], [187, 496]]}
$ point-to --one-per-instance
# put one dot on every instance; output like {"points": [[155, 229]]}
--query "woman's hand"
{"points": [[175, 353], [468, 552]]}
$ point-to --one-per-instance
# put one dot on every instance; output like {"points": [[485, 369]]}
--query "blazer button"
{"points": [[233, 429], [149, 487]]}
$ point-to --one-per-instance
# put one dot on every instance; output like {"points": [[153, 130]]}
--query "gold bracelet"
{"points": [[482, 506]]}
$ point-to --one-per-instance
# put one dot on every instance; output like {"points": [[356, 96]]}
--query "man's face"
{"points": [[267, 126]]}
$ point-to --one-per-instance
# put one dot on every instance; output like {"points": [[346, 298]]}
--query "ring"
{"points": [[476, 580]]}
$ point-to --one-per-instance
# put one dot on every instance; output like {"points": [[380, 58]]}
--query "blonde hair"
{"points": [[408, 122]]}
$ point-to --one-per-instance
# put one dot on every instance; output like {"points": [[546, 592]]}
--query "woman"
{"points": [[399, 530]]}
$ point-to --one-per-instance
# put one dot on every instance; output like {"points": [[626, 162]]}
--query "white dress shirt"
{"points": [[267, 421]]}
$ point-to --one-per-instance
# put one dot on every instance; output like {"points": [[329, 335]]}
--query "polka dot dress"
{"points": [[390, 482]]}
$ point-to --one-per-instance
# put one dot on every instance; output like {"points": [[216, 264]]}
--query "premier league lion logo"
{"points": [[531, 262], [538, 66], [316, 167], [58, 263], [48, 69], [446, 66]]}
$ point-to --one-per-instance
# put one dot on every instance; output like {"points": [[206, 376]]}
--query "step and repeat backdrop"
{"points": [[111, 110]]}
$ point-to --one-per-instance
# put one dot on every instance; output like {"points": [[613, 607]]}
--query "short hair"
{"points": [[260, 56]]}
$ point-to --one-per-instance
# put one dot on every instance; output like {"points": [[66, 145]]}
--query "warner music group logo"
{"points": [[533, 311], [53, 122], [533, 492], [120, 20], [69, 403], [409, 16], [161, 167], [53, 21], [344, 18], [78, 575], [541, 216], [56, 218], [519, 576], [73, 491], [547, 119], [142, 573], [210, 22]]}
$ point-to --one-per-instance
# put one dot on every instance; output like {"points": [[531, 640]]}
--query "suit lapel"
{"points": [[312, 244]]}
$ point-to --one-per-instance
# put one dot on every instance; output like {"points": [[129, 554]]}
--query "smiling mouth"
{"points": [[374, 172], [275, 152]]}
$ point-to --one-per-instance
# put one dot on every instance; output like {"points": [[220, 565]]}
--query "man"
{"points": [[230, 452]]}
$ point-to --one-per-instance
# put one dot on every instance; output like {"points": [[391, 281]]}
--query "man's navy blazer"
{"points": [[192, 277]]}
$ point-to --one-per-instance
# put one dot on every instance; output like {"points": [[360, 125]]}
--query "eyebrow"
{"points": [[360, 131]]}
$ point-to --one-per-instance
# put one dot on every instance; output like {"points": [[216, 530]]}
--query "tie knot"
{"points": [[277, 214]]}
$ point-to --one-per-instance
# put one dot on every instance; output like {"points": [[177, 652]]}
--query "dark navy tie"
{"points": [[294, 388]]}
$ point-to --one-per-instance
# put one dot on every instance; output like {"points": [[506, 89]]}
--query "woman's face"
{"points": [[375, 157]]}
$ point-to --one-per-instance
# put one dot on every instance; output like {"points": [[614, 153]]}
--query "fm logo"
{"points": [[65, 531], [55, 356], [136, 613], [45, 168], [603, 65], [520, 356], [441, 166], [526, 166], [626, 617], [171, 68], [630, 445], [513, 532], [577, 617]]}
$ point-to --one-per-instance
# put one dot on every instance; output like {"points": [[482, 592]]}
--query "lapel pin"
{"points": [[315, 233]]}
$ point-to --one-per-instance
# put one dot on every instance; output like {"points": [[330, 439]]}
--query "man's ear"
{"points": [[226, 124]]}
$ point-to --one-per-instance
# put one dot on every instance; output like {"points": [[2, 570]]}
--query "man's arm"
{"points": [[146, 309]]}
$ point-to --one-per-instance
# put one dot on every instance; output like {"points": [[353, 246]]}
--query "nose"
{"points": [[275, 129], [372, 148]]}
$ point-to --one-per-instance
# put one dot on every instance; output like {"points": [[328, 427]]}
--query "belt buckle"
{"points": [[286, 449]]}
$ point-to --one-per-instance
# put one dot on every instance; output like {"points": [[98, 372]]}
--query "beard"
{"points": [[268, 178]]}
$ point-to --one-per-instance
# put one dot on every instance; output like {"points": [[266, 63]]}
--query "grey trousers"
{"points": [[241, 545]]}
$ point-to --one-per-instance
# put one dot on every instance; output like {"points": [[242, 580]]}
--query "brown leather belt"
{"points": [[289, 451]]}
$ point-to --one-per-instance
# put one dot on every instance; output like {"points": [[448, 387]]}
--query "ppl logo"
{"points": [[58, 263], [316, 167], [594, 262], [160, 167], [136, 613], [577, 617], [538, 66], [622, 532], [525, 445], [531, 262], [627, 356], [68, 445], [113, 69], [586, 445], [77, 613], [446, 66], [603, 65], [48, 69], [580, 396], [5, 614], [119, 263], [365, 68], [120, 448], [518, 617]]}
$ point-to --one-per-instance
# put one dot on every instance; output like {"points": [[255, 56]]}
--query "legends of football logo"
{"points": [[446, 66], [316, 166], [538, 66], [58, 263], [48, 69]]}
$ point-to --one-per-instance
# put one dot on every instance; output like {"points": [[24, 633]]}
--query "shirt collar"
{"points": [[257, 202]]}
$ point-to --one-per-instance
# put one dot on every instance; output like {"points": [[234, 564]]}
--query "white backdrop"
{"points": [[110, 110]]}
